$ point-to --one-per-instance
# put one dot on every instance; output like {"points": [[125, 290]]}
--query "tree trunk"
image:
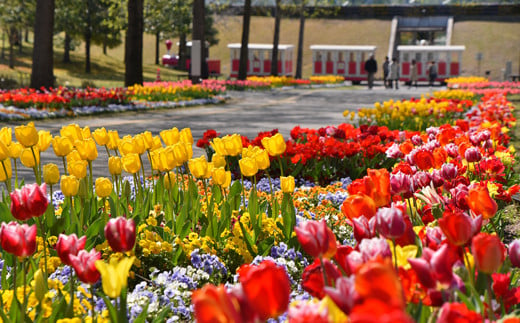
{"points": [[299, 58], [242, 68], [181, 65], [276, 39], [66, 48], [198, 34], [157, 39], [42, 63], [20, 43], [88, 36], [26, 37], [12, 41], [105, 47], [134, 44]]}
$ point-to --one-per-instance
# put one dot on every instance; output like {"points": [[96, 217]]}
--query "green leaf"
{"points": [[111, 309], [95, 230], [5, 213], [142, 317], [249, 241]]}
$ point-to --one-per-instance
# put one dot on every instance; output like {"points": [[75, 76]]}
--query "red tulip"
{"points": [[472, 155], [29, 201], [18, 239], [400, 183], [488, 251], [363, 228], [69, 246], [214, 304], [357, 205], [458, 313], [424, 159], [458, 227], [84, 265], [120, 234], [316, 238], [267, 288], [343, 294], [480, 202], [514, 253], [312, 277]]}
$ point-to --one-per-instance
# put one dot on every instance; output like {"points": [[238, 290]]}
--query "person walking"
{"points": [[393, 74], [413, 73], [371, 69], [385, 72], [432, 73]]}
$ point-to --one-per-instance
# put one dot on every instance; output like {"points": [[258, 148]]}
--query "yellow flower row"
{"points": [[466, 79], [454, 94]]}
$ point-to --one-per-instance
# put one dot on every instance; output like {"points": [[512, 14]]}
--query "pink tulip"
{"points": [[18, 239], [390, 222], [472, 155], [84, 265], [29, 201], [514, 253], [120, 234], [69, 246], [316, 238]]}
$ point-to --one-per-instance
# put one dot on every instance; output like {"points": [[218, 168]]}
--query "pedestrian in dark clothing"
{"points": [[432, 72], [371, 69], [386, 70]]}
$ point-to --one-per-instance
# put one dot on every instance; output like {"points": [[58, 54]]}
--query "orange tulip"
{"points": [[357, 205], [480, 202], [375, 185], [214, 305], [424, 159]]}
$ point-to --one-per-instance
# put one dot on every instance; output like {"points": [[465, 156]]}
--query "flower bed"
{"points": [[265, 228]]}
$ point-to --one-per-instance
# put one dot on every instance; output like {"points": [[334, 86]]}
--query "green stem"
{"points": [[24, 311], [280, 163], [395, 257], [142, 168], [93, 301], [471, 272], [36, 174], [64, 165], [71, 283], [243, 191], [7, 179], [14, 279], [15, 173], [491, 314], [108, 152]]}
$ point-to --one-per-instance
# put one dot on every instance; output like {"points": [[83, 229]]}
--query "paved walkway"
{"points": [[246, 113]]}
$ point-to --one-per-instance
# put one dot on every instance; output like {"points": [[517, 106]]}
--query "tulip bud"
{"points": [[221, 177], [4, 151], [87, 149], [316, 238], [39, 286], [449, 171], [120, 234], [127, 146], [186, 136], [357, 205], [218, 146], [69, 185], [400, 183], [148, 140], [248, 166], [51, 174], [274, 145], [262, 159], [15, 150], [115, 167], [170, 136], [233, 144], [72, 131], [84, 263], [103, 187], [514, 253], [287, 184], [78, 168], [169, 180], [6, 135], [140, 146], [113, 139], [218, 160], [180, 154], [480, 202], [198, 166], [27, 135]]}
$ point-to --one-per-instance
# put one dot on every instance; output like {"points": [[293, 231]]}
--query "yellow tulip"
{"points": [[262, 159], [5, 170], [233, 144], [72, 131], [218, 160], [26, 135], [85, 132], [69, 185], [126, 146], [170, 136], [29, 158], [209, 170], [4, 151], [274, 145], [131, 163], [198, 166], [113, 139], [78, 168], [140, 146], [114, 275], [100, 135], [6, 135], [15, 149], [87, 149], [221, 177], [248, 166], [103, 187], [148, 140], [180, 154], [155, 160], [62, 146], [167, 160], [156, 143], [189, 150], [115, 167], [51, 174], [44, 140], [287, 184], [169, 180], [186, 136], [218, 146]]}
